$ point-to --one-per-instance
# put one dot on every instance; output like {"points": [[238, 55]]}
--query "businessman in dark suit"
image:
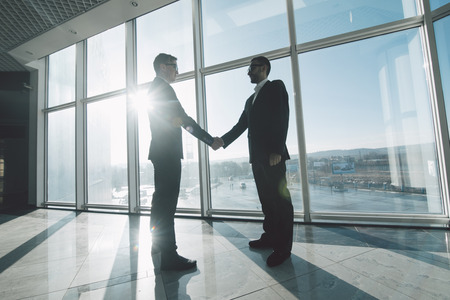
{"points": [[167, 116], [266, 117]]}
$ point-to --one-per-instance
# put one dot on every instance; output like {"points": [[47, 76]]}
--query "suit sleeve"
{"points": [[279, 106], [193, 128], [237, 129]]}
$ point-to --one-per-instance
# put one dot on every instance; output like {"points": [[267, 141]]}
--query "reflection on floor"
{"points": [[53, 254]]}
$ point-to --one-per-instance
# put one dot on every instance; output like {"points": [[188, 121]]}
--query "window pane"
{"points": [[106, 61], [442, 31], [234, 29], [438, 3], [61, 156], [107, 152], [320, 19], [230, 168], [369, 131], [61, 77], [174, 38], [190, 181]]}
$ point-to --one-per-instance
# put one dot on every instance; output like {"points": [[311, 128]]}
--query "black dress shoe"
{"points": [[260, 244], [176, 263], [277, 258]]}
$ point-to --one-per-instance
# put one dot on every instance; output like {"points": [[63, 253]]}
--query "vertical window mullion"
{"points": [[132, 129], [205, 188], [298, 112], [80, 125], [438, 102], [41, 181]]}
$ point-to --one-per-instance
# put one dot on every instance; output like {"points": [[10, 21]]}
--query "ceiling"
{"points": [[21, 21], [32, 29]]}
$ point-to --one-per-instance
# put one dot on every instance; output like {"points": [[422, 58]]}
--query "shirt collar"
{"points": [[260, 85], [162, 79]]}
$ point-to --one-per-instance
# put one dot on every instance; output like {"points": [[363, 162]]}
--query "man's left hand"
{"points": [[274, 159]]}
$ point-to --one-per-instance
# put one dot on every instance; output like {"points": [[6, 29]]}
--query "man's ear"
{"points": [[265, 68]]}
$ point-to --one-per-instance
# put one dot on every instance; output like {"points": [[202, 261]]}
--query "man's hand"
{"points": [[218, 142], [274, 159]]}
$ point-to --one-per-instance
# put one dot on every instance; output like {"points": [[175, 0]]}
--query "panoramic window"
{"points": [[190, 182], [232, 183], [61, 127], [369, 131], [234, 29], [442, 30], [320, 19], [366, 107], [107, 152], [61, 77], [61, 156], [175, 38], [106, 61]]}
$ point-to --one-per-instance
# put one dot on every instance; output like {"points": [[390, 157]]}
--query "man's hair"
{"points": [[263, 60], [162, 58]]}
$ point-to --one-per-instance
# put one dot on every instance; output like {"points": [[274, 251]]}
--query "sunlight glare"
{"points": [[139, 100]]}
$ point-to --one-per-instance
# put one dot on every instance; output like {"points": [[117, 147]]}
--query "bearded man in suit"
{"points": [[167, 116], [266, 117]]}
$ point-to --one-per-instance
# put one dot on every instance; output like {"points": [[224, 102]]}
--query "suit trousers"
{"points": [[167, 172], [276, 204]]}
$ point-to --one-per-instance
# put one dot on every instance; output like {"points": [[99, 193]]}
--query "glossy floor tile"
{"points": [[58, 254]]}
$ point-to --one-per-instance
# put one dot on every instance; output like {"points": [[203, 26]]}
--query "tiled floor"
{"points": [[53, 254]]}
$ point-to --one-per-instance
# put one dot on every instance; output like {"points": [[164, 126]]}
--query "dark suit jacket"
{"points": [[164, 112], [267, 122]]}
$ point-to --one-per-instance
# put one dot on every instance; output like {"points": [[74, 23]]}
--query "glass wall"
{"points": [[368, 125], [61, 77], [359, 93], [321, 19], [232, 183], [61, 156], [442, 30], [107, 152], [107, 178], [231, 174], [61, 127], [175, 38], [106, 61], [234, 29]]}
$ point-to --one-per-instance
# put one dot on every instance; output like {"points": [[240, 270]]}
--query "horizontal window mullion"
{"points": [[361, 34], [441, 12], [244, 62], [105, 96], [59, 107]]}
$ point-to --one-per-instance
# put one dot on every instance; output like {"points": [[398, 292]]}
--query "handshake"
{"points": [[218, 142]]}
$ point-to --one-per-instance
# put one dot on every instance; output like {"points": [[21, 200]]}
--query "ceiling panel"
{"points": [[23, 20]]}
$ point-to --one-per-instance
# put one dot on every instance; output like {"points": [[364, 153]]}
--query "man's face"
{"points": [[169, 71], [256, 72]]}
